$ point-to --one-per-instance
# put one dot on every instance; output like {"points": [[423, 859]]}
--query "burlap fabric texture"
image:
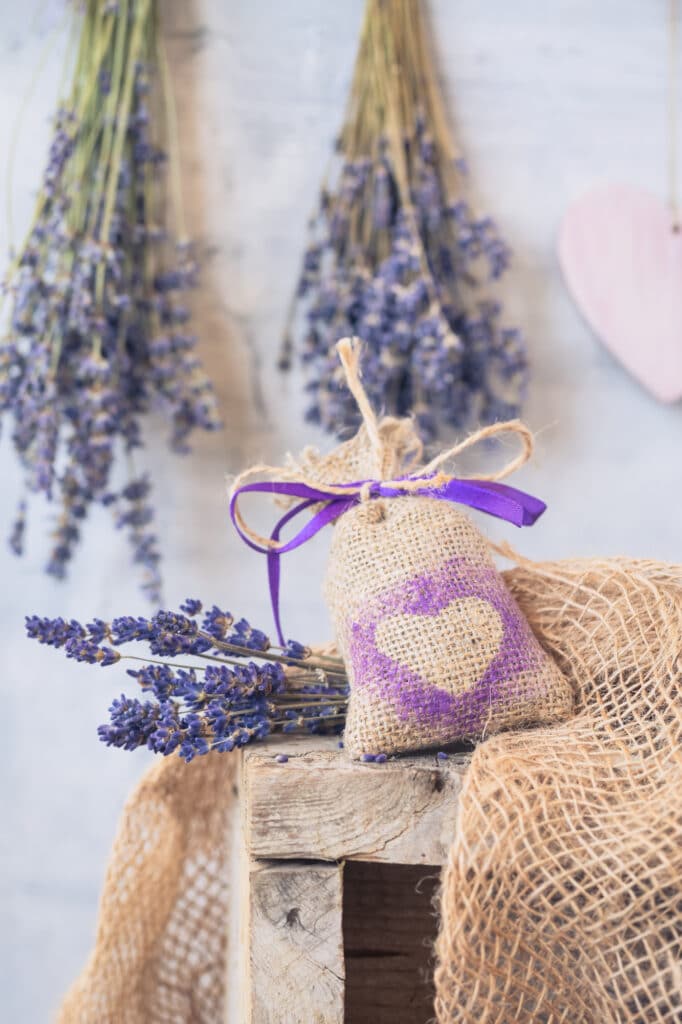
{"points": [[160, 950], [436, 649], [562, 897]]}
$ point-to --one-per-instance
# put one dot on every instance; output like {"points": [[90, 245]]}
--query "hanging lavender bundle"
{"points": [[397, 256], [99, 330], [237, 688]]}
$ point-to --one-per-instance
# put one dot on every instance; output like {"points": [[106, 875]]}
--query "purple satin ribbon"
{"points": [[496, 499]]}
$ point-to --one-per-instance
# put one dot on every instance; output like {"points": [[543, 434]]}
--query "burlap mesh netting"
{"points": [[160, 949], [562, 898]]}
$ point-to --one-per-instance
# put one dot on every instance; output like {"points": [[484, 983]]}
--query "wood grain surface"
{"points": [[296, 972], [323, 806]]}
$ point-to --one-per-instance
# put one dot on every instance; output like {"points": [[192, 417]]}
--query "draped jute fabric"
{"points": [[562, 897], [160, 948]]}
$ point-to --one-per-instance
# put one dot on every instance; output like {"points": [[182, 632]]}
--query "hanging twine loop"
{"points": [[673, 73], [395, 454], [391, 451], [365, 492]]}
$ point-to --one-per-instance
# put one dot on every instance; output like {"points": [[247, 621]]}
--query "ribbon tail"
{"points": [[317, 523], [273, 581], [495, 499], [274, 568], [527, 509]]}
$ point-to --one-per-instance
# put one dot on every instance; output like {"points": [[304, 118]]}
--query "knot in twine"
{"points": [[365, 493], [387, 453]]}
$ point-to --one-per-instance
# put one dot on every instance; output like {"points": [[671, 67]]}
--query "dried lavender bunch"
{"points": [[218, 701], [397, 256], [99, 328]]}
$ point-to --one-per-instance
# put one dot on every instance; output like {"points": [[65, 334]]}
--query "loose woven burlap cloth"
{"points": [[562, 898]]}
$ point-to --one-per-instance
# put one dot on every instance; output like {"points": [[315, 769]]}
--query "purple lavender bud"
{"points": [[91, 653], [126, 628], [97, 630], [217, 622], [55, 632], [297, 651], [136, 489], [16, 537], [244, 635], [191, 606]]}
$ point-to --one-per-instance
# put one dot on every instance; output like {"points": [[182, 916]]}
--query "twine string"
{"points": [[431, 476], [327, 502], [673, 74]]}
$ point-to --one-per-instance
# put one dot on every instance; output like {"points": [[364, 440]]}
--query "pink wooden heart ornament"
{"points": [[622, 263]]}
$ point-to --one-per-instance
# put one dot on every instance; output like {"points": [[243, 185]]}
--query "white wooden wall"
{"points": [[547, 99]]}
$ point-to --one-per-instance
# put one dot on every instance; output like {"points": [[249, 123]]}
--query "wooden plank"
{"points": [[320, 805], [238, 919], [389, 927], [296, 967]]}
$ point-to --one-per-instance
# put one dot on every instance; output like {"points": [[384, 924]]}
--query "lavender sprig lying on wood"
{"points": [[99, 330], [237, 687], [398, 257]]}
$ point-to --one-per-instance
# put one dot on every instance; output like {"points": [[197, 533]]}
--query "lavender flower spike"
{"points": [[99, 332], [398, 257], [236, 690]]}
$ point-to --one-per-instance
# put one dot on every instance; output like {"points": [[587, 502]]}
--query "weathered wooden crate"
{"points": [[338, 863]]}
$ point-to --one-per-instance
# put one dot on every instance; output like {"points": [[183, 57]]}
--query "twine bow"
{"points": [[485, 494]]}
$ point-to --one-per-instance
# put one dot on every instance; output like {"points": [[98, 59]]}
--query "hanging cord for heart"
{"points": [[673, 44]]}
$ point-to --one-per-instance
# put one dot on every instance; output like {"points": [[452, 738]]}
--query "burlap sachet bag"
{"points": [[436, 649]]}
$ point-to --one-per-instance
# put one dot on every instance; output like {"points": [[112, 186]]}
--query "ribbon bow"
{"points": [[333, 500]]}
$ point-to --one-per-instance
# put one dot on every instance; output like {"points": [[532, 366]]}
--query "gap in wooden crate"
{"points": [[389, 927]]}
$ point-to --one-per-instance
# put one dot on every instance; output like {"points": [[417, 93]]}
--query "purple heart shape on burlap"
{"points": [[413, 697]]}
